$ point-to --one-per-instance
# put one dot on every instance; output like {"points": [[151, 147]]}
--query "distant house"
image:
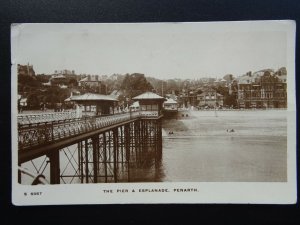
{"points": [[57, 80], [62, 86], [64, 72], [210, 98], [90, 81], [172, 96], [170, 104], [116, 93], [26, 70], [135, 106], [47, 84], [23, 102], [265, 90]]}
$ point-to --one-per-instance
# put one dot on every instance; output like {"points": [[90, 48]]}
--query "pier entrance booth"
{"points": [[150, 103], [95, 104], [171, 105]]}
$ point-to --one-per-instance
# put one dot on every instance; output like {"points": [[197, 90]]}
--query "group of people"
{"points": [[230, 130]]}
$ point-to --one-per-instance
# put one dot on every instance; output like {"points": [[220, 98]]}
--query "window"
{"points": [[154, 107], [143, 107]]}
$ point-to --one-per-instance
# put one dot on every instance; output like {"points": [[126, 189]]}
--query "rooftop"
{"points": [[170, 101], [135, 105], [92, 97], [148, 95], [57, 76], [90, 79]]}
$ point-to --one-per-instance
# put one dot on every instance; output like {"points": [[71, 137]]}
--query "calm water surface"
{"points": [[201, 149]]}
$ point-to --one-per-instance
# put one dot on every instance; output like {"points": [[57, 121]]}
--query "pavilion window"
{"points": [[154, 107]]}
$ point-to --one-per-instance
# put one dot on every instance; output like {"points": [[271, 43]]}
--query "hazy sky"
{"points": [[165, 50]]}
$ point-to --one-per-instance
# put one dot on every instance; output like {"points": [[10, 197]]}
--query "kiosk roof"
{"points": [[92, 97], [147, 96]]}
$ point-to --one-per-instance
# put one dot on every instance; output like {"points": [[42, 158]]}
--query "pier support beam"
{"points": [[105, 156], [95, 142], [86, 161], [19, 175], [159, 138], [115, 153], [54, 167], [127, 148], [127, 142], [80, 161]]}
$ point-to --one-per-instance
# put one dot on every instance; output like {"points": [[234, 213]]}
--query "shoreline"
{"points": [[207, 123]]}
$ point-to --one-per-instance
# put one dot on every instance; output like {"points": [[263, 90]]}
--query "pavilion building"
{"points": [[95, 104], [150, 103], [171, 105]]}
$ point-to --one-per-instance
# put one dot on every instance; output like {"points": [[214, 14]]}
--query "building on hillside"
{"points": [[172, 96], [64, 72], [70, 75], [26, 70], [93, 83], [187, 98], [183, 100], [58, 80], [117, 93], [135, 106], [90, 81], [210, 98], [264, 91]]}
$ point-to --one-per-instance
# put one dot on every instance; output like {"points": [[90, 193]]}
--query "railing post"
{"points": [[19, 175], [52, 134]]}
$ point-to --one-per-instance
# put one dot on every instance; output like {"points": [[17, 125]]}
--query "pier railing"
{"points": [[149, 114], [45, 117], [35, 134]]}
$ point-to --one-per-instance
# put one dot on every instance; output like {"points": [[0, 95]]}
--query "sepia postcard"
{"points": [[200, 112]]}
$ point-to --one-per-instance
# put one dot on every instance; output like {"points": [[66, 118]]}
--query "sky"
{"points": [[161, 50]]}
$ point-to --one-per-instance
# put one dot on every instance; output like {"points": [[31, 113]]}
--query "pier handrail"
{"points": [[35, 134], [45, 117]]}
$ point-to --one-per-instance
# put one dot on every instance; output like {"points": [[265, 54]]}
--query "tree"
{"points": [[43, 78], [228, 77], [199, 92], [73, 82], [33, 101], [135, 84]]}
